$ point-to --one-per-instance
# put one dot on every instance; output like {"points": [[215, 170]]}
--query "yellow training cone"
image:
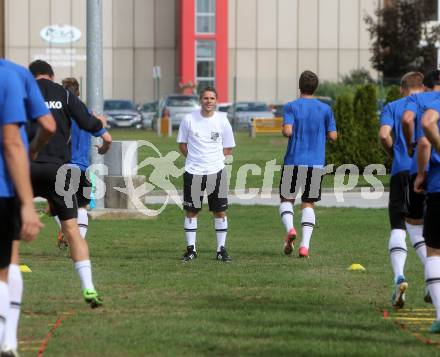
{"points": [[356, 267], [25, 269]]}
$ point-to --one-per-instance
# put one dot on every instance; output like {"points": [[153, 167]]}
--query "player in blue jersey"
{"points": [[308, 123], [430, 182], [14, 184], [36, 110], [81, 143], [392, 139]]}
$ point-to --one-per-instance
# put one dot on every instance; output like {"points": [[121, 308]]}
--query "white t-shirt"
{"points": [[206, 138]]}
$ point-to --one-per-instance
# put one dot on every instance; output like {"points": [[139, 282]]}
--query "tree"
{"points": [[402, 40]]}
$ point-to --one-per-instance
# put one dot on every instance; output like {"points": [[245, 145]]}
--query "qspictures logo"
{"points": [[163, 168]]}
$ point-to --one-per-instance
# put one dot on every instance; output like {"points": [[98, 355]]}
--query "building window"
{"points": [[205, 63], [205, 16]]}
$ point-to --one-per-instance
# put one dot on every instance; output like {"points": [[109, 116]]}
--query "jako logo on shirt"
{"points": [[54, 104]]}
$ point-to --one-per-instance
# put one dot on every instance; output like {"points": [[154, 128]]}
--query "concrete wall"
{"points": [[272, 42], [137, 34]]}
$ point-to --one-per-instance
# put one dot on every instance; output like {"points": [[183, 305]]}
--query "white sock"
{"points": [[84, 269], [398, 252], [415, 233], [83, 222], [221, 230], [432, 277], [57, 220], [286, 213], [15, 284], [308, 223], [190, 226], [4, 307]]}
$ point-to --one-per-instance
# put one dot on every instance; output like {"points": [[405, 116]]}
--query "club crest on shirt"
{"points": [[215, 136]]}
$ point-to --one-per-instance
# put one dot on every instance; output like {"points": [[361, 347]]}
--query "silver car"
{"points": [[122, 114], [176, 106], [148, 112], [242, 113]]}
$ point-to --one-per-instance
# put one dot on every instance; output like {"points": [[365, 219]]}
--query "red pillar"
{"points": [[188, 38]]}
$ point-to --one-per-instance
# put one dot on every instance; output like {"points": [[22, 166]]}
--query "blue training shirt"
{"points": [[81, 142], [417, 103], [433, 180], [12, 111], [392, 116], [311, 120], [34, 103]]}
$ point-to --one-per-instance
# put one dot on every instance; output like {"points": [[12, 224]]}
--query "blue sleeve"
{"points": [[411, 104], [35, 105], [330, 121], [12, 111], [288, 117], [435, 105], [99, 133], [386, 117]]}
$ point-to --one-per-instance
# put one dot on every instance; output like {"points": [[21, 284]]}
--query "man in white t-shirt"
{"points": [[205, 138]]}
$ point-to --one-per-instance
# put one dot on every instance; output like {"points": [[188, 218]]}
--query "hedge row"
{"points": [[358, 127]]}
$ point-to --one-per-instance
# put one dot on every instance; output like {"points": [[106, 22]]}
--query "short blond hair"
{"points": [[72, 85], [412, 80]]}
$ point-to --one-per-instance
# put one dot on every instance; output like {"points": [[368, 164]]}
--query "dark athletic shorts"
{"points": [[43, 177], [216, 186], [416, 201], [431, 224], [84, 183], [309, 179], [398, 205], [9, 228]]}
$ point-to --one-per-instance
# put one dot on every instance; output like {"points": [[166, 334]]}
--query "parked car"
{"points": [[277, 110], [122, 114], [148, 113], [176, 106], [223, 107], [242, 113]]}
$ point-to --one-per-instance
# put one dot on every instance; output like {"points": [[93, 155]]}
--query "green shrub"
{"points": [[393, 94], [344, 150], [358, 126], [334, 90]]}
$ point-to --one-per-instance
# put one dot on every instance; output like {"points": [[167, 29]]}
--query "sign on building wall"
{"points": [[60, 36]]}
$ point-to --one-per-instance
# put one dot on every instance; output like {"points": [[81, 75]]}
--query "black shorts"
{"points": [[294, 178], [9, 228], [44, 179], [416, 201], [431, 224], [398, 205], [84, 183], [216, 186]]}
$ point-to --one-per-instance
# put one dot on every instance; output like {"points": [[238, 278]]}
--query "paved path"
{"points": [[329, 199]]}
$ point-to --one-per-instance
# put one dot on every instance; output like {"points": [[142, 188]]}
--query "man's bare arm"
{"points": [[423, 152], [183, 147], [332, 136], [227, 151], [386, 139], [430, 127], [18, 168], [408, 119], [287, 130]]}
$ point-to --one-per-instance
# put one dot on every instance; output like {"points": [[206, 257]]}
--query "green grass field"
{"points": [[262, 303], [259, 151]]}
